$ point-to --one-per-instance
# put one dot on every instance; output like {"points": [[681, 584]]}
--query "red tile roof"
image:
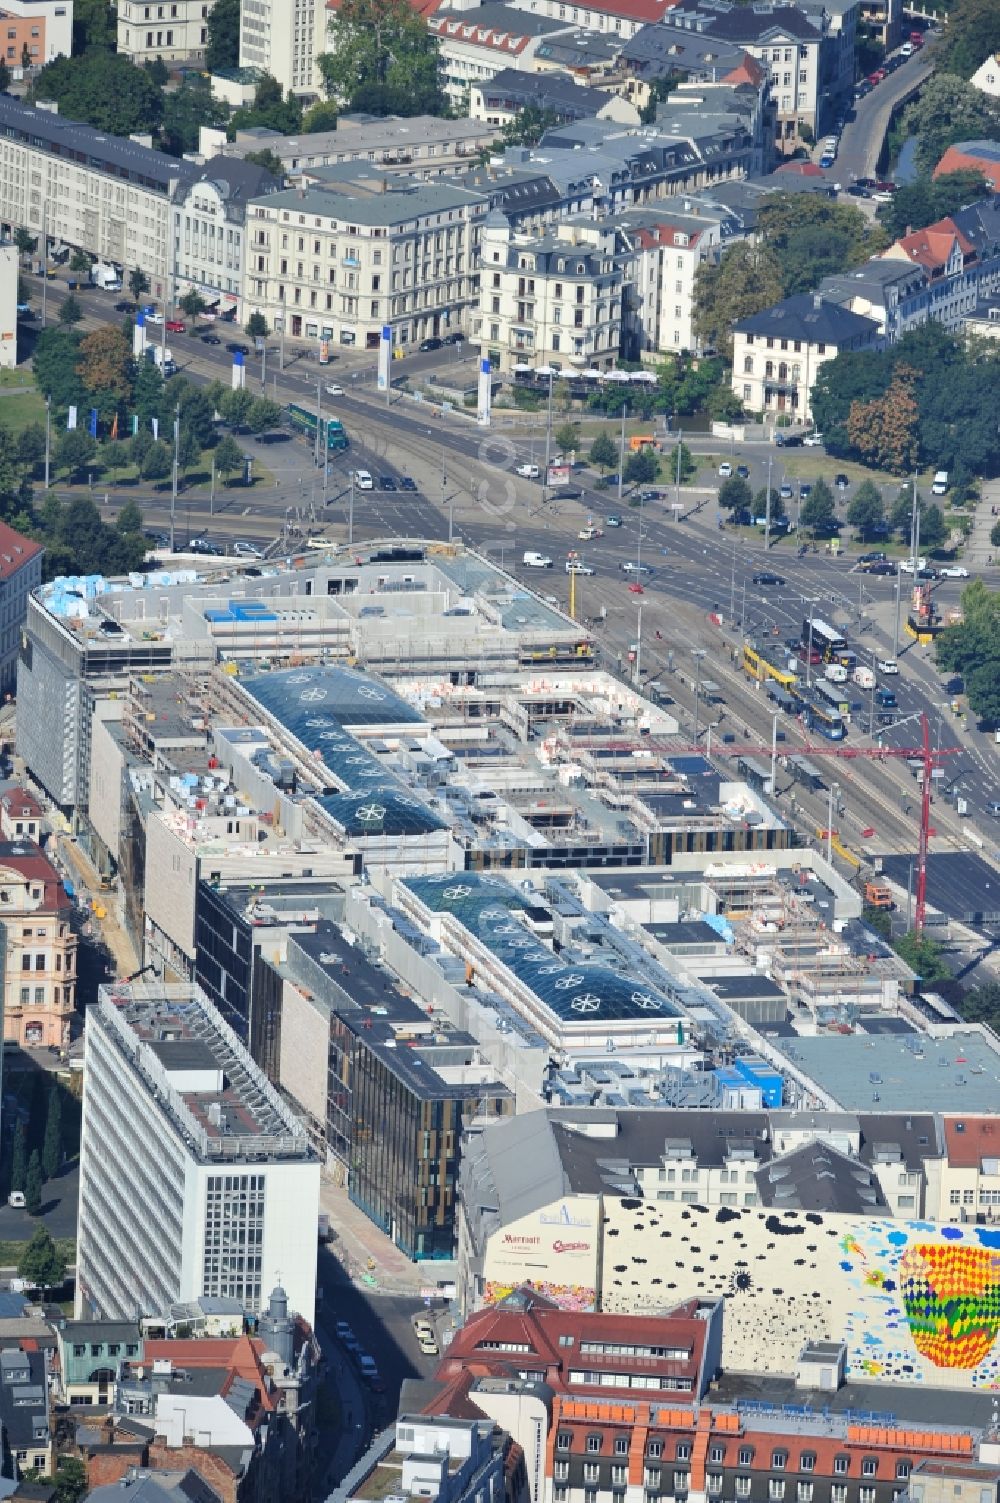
{"points": [[26, 859], [21, 804], [967, 159], [15, 551], [650, 236], [801, 169], [749, 71], [239, 1355], [969, 1140], [932, 247]]}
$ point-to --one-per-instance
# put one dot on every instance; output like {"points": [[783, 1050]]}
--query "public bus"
{"points": [[825, 639], [304, 421], [759, 668], [833, 696], [819, 716]]}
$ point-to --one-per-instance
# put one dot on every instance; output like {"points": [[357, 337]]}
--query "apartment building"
{"points": [[209, 217], [172, 30], [39, 948], [415, 146], [666, 250], [20, 574], [79, 186], [21, 816], [777, 353], [356, 251], [970, 1175], [283, 38], [475, 45], [613, 18], [809, 54], [33, 32], [552, 300], [950, 262], [973, 156], [195, 1177], [894, 293]]}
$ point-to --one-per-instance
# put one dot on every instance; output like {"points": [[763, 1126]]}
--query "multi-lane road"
{"points": [[467, 484]]}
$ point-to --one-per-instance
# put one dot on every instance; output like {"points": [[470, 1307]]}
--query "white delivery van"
{"points": [[939, 486], [863, 677], [533, 560], [836, 673]]}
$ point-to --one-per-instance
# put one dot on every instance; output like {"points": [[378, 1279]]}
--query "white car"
{"points": [[428, 1346], [813, 440], [363, 480], [725, 470], [577, 566], [887, 665], [528, 472], [906, 565], [153, 318], [954, 571], [333, 390]]}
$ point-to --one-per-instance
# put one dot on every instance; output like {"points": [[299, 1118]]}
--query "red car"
{"points": [[174, 326], [636, 589]]}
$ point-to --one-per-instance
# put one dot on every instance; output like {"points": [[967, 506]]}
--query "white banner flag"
{"points": [[156, 427], [71, 418]]}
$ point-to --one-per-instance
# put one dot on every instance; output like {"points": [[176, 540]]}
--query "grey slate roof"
{"points": [[129, 161], [745, 23], [661, 48], [159, 1487], [873, 278], [596, 1164], [546, 91], [810, 318], [238, 182], [495, 17], [341, 197], [816, 1177]]}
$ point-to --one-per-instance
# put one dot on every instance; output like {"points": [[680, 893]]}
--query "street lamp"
{"points": [[698, 653], [834, 794]]}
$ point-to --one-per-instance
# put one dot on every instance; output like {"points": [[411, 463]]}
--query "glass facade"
{"points": [[401, 1148], [234, 1233]]}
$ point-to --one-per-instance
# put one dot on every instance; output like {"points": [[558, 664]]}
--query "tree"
{"points": [[157, 70], [925, 956], [93, 25], [24, 240], [642, 467], [933, 530], [235, 406], [196, 413], [147, 394], [52, 1144], [57, 351], [947, 110], [228, 456], [263, 414], [929, 199], [138, 283], [885, 431], [268, 160], [19, 1158], [186, 110], [688, 464], [981, 1004], [129, 518], [71, 1473], [759, 504], [973, 649], [105, 89], [257, 326], [527, 127], [4, 77], [33, 1184], [269, 109], [604, 452], [70, 313], [819, 512], [735, 494], [223, 49], [867, 509], [192, 303], [105, 361], [74, 451], [971, 36], [995, 534], [567, 437], [746, 280], [81, 263], [42, 1265], [382, 53], [158, 462], [188, 451], [320, 116], [31, 445], [811, 236]]}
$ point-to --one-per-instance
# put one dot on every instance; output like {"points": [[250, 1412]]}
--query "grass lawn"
{"points": [[16, 378], [10, 1252], [20, 409]]}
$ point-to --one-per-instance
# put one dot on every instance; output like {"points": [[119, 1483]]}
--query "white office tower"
{"points": [[195, 1177], [284, 38]]}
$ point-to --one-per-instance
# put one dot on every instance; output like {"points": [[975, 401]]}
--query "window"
{"points": [[621, 1445], [590, 1471], [804, 1492], [683, 1450], [838, 1492], [841, 1465], [746, 1455], [563, 1440], [778, 1460], [714, 1481], [681, 1480], [776, 1489], [902, 1470], [743, 1486], [655, 1448], [869, 1466], [807, 1461], [560, 1471], [619, 1475], [717, 1454], [866, 1495], [594, 1442]]}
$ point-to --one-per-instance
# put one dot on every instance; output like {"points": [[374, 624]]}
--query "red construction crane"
{"points": [[928, 756]]}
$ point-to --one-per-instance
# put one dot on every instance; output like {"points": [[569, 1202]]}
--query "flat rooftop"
{"points": [[896, 1074], [883, 1404], [220, 1102]]}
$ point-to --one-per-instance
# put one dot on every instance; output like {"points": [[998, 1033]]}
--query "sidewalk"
{"points": [[979, 550], [88, 886], [368, 1255]]}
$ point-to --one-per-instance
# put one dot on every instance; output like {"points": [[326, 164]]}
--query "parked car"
{"points": [[813, 440], [428, 1346], [387, 483], [631, 567], [431, 344], [805, 490], [577, 566], [725, 470], [204, 545], [875, 557], [407, 483], [363, 480], [248, 550], [455, 337], [841, 481], [786, 492], [743, 471]]}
